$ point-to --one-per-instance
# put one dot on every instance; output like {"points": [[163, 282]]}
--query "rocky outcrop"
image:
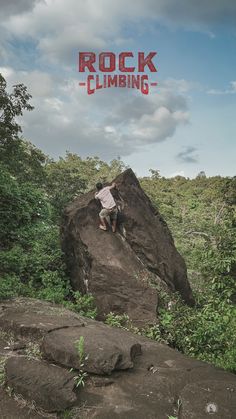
{"points": [[128, 376], [106, 350], [119, 269]]}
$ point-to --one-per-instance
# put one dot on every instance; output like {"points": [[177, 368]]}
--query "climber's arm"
{"points": [[113, 185]]}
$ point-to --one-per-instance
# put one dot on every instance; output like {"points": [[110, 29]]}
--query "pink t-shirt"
{"points": [[106, 198]]}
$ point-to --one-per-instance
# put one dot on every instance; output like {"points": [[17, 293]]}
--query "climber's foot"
{"points": [[102, 227]]}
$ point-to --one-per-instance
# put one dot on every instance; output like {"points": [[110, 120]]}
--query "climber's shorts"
{"points": [[112, 213]]}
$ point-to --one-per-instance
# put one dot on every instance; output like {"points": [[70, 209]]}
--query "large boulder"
{"points": [[118, 269]]}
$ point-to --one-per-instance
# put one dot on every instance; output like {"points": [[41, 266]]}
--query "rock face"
{"points": [[117, 268], [150, 380], [11, 409], [49, 386], [104, 346]]}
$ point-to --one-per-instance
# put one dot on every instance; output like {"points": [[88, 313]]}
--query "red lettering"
{"points": [[89, 90], [112, 81], [107, 62], [98, 85], [142, 62], [87, 59], [144, 85], [122, 81], [136, 82], [102, 62], [122, 58]]}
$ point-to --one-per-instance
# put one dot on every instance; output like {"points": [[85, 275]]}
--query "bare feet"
{"points": [[102, 227]]}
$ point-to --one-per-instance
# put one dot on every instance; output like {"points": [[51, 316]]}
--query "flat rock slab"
{"points": [[105, 349], [10, 408], [49, 386], [26, 317], [154, 393], [209, 398], [159, 377]]}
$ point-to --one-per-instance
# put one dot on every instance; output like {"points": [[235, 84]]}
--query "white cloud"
{"points": [[61, 28], [179, 86], [39, 83], [66, 118], [95, 125], [107, 124], [230, 91], [13, 7], [7, 72]]}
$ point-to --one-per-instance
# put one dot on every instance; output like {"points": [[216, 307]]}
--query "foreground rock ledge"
{"points": [[49, 386], [156, 378], [116, 267]]}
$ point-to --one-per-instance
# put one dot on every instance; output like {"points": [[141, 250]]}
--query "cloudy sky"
{"points": [[186, 124]]}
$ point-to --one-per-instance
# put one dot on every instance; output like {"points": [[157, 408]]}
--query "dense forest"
{"points": [[200, 213]]}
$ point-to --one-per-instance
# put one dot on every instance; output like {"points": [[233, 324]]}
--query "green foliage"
{"points": [[201, 215], [83, 304], [11, 106], [80, 379], [71, 176], [79, 346], [81, 376], [10, 287], [21, 206], [27, 162], [117, 320], [66, 414], [206, 332]]}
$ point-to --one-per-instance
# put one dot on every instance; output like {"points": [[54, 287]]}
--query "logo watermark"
{"points": [[109, 62], [211, 408]]}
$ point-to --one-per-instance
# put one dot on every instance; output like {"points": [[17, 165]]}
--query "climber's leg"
{"points": [[102, 217], [114, 219], [114, 222]]}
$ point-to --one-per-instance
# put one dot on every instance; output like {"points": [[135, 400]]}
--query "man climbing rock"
{"points": [[109, 209]]}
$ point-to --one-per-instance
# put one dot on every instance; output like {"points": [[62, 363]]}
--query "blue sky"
{"points": [[185, 125]]}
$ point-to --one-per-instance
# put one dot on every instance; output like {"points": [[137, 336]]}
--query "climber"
{"points": [[109, 208]]}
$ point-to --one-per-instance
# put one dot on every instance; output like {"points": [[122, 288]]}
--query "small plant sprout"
{"points": [[79, 345], [80, 377]]}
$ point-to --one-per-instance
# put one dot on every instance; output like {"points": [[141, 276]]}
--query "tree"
{"points": [[11, 106], [201, 174], [70, 176], [155, 174], [21, 158]]}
